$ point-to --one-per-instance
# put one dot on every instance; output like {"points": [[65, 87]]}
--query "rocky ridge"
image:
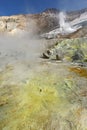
{"points": [[38, 23]]}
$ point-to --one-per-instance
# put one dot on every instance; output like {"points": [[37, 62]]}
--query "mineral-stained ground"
{"points": [[52, 95]]}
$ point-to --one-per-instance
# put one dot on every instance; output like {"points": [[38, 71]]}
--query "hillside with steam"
{"points": [[43, 71], [45, 22]]}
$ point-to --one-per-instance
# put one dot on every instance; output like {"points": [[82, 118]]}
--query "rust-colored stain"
{"points": [[84, 93], [80, 71]]}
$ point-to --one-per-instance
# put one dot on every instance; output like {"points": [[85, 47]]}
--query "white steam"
{"points": [[65, 27], [22, 53]]}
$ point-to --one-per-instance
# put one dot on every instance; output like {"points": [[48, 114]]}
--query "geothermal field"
{"points": [[43, 72]]}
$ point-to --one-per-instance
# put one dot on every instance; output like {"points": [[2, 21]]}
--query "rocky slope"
{"points": [[12, 23], [40, 23]]}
